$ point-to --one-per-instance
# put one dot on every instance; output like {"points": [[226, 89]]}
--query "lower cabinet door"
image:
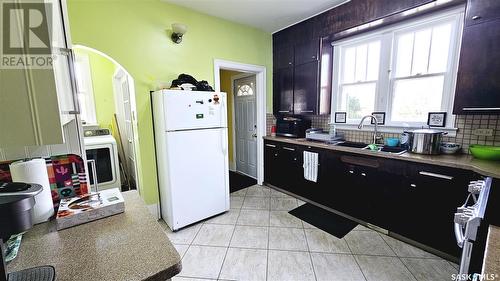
{"points": [[430, 203], [272, 165], [291, 168]]}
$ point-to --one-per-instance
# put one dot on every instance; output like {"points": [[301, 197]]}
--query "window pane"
{"points": [[358, 100], [404, 55], [440, 48], [349, 63], [361, 57], [414, 98], [373, 61], [421, 51], [245, 90]]}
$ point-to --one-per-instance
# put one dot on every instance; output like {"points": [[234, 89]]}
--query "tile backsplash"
{"points": [[466, 124]]}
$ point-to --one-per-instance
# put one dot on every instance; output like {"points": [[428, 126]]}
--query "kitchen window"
{"points": [[84, 88], [406, 70]]}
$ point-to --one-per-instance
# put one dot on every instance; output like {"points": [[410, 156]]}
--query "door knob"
{"points": [[254, 135]]}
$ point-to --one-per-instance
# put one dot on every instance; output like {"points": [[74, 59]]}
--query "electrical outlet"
{"points": [[483, 132]]}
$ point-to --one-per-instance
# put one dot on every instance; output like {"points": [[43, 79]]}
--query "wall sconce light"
{"points": [[178, 30]]}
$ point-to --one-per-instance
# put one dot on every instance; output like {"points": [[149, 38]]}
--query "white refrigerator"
{"points": [[192, 155]]}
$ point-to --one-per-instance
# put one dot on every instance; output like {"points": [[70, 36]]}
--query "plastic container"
{"points": [[392, 141]]}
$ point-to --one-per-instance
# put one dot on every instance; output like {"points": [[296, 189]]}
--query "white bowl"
{"points": [[450, 148]]}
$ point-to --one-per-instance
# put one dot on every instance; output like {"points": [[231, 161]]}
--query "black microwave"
{"points": [[292, 127]]}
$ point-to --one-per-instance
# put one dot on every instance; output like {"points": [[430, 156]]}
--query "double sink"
{"points": [[373, 147]]}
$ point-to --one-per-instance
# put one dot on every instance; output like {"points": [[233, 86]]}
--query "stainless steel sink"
{"points": [[377, 149], [352, 144]]}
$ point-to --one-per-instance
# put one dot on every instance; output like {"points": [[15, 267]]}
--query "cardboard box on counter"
{"points": [[90, 207]]}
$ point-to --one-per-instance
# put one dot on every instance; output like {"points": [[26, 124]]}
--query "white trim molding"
{"points": [[260, 73]]}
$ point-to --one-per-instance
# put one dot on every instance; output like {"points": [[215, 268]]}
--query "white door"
{"points": [[124, 112], [198, 175], [245, 125]]}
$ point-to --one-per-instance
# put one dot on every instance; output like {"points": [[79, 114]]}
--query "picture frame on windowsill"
{"points": [[380, 118], [340, 117], [436, 119]]}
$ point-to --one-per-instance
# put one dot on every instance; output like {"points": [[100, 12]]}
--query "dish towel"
{"points": [[310, 166]]}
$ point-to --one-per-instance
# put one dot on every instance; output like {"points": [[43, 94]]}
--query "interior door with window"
{"points": [[125, 120], [246, 125]]}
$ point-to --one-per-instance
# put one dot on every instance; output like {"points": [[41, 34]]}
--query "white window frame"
{"points": [[384, 89], [85, 72]]}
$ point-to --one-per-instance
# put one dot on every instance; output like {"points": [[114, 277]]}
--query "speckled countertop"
{"points": [[462, 161], [127, 246], [492, 254]]}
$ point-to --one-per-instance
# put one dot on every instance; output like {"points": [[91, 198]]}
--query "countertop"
{"points": [[127, 246], [492, 254], [462, 161]]}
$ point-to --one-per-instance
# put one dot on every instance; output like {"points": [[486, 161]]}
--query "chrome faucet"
{"points": [[377, 137]]}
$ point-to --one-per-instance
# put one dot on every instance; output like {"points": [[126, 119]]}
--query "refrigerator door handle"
{"points": [[222, 132]]}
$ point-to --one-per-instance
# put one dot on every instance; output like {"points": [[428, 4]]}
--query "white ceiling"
{"points": [[269, 15]]}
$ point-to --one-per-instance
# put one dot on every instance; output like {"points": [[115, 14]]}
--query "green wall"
{"points": [[102, 71], [135, 34]]}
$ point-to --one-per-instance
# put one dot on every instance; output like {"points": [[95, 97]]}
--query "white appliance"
{"points": [[191, 154], [468, 218], [102, 162]]}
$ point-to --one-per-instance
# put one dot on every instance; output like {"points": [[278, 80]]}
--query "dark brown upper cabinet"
{"points": [[306, 52], [478, 83], [283, 91], [296, 79], [306, 88], [283, 57], [480, 11]]}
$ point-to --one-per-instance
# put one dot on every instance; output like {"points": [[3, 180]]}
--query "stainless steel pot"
{"points": [[424, 141]]}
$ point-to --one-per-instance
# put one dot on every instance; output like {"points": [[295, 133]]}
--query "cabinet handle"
{"points": [[363, 174], [480, 108], [276, 154], [288, 148], [270, 145], [413, 185], [289, 63], [284, 111], [313, 57], [308, 111], [435, 175], [351, 172], [476, 17]]}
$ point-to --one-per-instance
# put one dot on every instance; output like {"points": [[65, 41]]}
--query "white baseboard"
{"points": [[154, 209]]}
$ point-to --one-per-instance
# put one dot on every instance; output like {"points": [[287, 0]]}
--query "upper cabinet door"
{"points": [[283, 91], [478, 86], [283, 57], [307, 52], [305, 100], [479, 11]]}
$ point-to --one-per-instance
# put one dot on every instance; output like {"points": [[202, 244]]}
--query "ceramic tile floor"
{"points": [[258, 240]]}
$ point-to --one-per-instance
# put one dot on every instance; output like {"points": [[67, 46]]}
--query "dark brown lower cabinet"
{"points": [[413, 200]]}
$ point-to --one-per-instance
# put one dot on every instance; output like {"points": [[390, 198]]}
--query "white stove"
{"points": [[468, 218]]}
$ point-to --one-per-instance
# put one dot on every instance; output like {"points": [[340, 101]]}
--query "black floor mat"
{"points": [[332, 223], [238, 181]]}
